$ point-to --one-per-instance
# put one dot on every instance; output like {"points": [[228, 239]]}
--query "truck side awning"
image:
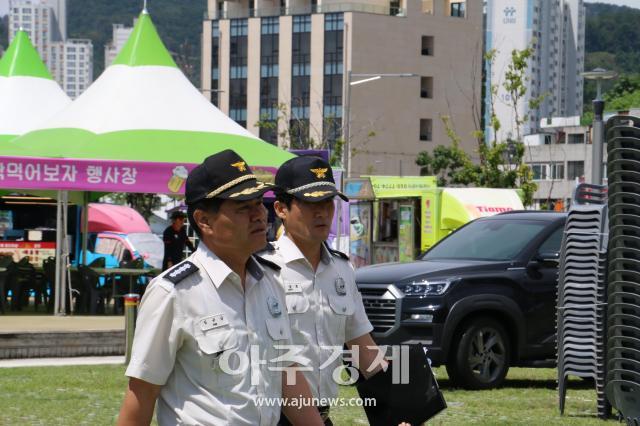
{"points": [[461, 205]]}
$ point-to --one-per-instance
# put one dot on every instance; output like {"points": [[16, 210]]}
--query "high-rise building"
{"points": [[69, 60], [119, 38], [288, 64], [555, 29]]}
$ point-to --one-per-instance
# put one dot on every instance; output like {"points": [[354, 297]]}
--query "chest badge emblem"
{"points": [[274, 306], [341, 287]]}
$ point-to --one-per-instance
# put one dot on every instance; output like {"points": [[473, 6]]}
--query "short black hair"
{"points": [[211, 205], [284, 198]]}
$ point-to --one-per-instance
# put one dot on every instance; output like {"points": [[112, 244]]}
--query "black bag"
{"points": [[414, 402]]}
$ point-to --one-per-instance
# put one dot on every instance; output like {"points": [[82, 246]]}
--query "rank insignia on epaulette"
{"points": [[180, 272], [274, 306]]}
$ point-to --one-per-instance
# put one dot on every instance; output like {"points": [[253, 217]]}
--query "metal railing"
{"points": [[307, 10]]}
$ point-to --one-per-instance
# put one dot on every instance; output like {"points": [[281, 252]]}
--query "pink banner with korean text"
{"points": [[37, 173]]}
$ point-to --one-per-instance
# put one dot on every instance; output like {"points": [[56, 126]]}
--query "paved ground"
{"points": [[41, 362], [20, 323]]}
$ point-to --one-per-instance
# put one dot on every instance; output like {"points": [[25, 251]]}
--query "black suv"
{"points": [[482, 299]]}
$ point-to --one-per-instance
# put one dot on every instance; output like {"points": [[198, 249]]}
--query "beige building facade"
{"points": [[279, 65]]}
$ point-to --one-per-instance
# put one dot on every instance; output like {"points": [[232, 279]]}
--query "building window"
{"points": [[238, 72], [215, 62], [300, 81], [333, 79], [575, 169], [302, 23], [427, 7], [426, 87], [269, 49], [427, 46], [299, 133], [575, 138], [557, 171], [539, 171], [457, 9], [426, 127], [333, 22]]}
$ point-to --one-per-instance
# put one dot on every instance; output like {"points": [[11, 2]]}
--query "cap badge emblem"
{"points": [[240, 165], [320, 173], [341, 288], [316, 194], [274, 306], [248, 191]]}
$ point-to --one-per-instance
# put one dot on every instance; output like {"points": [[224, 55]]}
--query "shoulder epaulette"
{"points": [[266, 262], [266, 249], [180, 272], [336, 253]]}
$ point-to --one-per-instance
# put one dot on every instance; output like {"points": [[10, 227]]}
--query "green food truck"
{"points": [[396, 218]]}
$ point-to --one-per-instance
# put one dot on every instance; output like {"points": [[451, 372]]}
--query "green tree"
{"points": [[144, 204], [294, 132], [501, 163]]}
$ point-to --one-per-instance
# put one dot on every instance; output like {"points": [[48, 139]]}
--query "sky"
{"points": [[4, 4]]}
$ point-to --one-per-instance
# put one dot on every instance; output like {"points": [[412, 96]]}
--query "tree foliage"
{"points": [[4, 32], [612, 41], [144, 204], [501, 163], [294, 132], [179, 24]]}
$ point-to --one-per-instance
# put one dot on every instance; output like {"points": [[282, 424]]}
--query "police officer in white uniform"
{"points": [[207, 330], [325, 307]]}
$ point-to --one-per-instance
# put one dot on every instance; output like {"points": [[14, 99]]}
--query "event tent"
{"points": [[28, 93], [138, 128]]}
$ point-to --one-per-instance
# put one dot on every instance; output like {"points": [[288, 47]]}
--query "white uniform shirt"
{"points": [[186, 330], [325, 310]]}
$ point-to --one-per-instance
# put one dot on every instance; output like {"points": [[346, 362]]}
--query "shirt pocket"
{"points": [[341, 305], [278, 329], [297, 303], [219, 360]]}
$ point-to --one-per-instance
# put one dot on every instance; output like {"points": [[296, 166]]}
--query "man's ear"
{"points": [[281, 209], [202, 219]]}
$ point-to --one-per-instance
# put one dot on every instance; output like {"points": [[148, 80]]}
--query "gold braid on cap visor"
{"points": [[309, 186], [230, 184]]}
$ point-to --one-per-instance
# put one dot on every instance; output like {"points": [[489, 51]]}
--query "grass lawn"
{"points": [[91, 395]]}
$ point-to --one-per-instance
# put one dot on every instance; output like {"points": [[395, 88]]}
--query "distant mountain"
{"points": [[179, 23], [4, 32], [612, 38]]}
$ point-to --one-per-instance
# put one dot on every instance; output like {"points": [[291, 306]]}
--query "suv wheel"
{"points": [[480, 359]]}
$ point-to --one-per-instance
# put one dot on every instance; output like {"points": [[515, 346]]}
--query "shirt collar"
{"points": [[218, 271], [291, 252]]}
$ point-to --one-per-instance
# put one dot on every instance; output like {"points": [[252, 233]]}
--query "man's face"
{"points": [[307, 222], [240, 226]]}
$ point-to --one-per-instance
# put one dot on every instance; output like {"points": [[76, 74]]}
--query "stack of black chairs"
{"points": [[581, 317], [623, 315]]}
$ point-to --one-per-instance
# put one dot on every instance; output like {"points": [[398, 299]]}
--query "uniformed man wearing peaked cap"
{"points": [[325, 308], [208, 328]]}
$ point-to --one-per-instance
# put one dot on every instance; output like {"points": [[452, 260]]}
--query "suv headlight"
{"points": [[427, 287]]}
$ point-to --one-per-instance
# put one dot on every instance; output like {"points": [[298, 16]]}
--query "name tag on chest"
{"points": [[213, 321], [292, 287]]}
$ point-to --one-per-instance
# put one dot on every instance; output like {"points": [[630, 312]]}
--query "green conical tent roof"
{"points": [[22, 59], [144, 46], [28, 94], [142, 108]]}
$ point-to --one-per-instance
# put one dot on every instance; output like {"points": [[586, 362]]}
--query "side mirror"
{"points": [[548, 258]]}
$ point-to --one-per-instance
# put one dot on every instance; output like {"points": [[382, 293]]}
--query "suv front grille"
{"points": [[380, 307]]}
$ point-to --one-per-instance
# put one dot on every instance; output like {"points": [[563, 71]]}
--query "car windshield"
{"points": [[150, 246], [498, 239]]}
